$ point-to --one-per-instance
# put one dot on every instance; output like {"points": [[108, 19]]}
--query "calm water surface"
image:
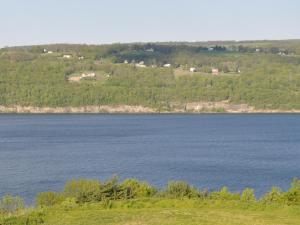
{"points": [[41, 152]]}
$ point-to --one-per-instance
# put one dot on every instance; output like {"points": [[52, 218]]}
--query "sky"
{"points": [[28, 22]]}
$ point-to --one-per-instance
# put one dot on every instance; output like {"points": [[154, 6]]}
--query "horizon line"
{"points": [[147, 42]]}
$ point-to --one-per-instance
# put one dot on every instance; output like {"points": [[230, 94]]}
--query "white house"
{"points": [[150, 50], [88, 75], [74, 79], [67, 56], [193, 69], [81, 58], [49, 52], [141, 64], [167, 65], [215, 71]]}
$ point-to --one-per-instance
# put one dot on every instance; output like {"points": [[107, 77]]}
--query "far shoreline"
{"points": [[193, 109]]}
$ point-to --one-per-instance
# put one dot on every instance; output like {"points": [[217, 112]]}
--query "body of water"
{"points": [[41, 152]]}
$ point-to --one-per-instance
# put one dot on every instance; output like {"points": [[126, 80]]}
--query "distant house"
{"points": [[88, 75], [125, 61], [141, 64], [78, 78], [67, 56], [282, 54], [193, 69], [48, 52], [257, 50], [150, 50], [167, 65], [81, 58], [74, 79], [215, 71]]}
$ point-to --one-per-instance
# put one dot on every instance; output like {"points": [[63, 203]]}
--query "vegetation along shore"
{"points": [[133, 202]]}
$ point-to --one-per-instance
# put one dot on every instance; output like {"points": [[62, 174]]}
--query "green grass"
{"points": [[91, 202], [171, 211]]}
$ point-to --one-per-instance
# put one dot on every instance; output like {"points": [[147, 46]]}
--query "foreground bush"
{"points": [[75, 188], [136, 189], [275, 196], [49, 198], [11, 204], [79, 192], [181, 189], [292, 197], [84, 191], [34, 218], [225, 194], [248, 196]]}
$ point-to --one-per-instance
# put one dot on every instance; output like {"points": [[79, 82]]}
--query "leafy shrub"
{"points": [[136, 189], [49, 198], [292, 196], [35, 218], [111, 190], [225, 194], [274, 196], [93, 191], [11, 204], [178, 189], [69, 204], [75, 188], [248, 195]]}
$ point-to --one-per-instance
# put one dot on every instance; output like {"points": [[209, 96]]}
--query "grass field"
{"points": [[169, 212]]}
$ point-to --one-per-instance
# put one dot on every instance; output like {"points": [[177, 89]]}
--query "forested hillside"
{"points": [[264, 74]]}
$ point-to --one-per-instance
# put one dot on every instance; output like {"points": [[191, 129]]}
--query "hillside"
{"points": [[254, 76]]}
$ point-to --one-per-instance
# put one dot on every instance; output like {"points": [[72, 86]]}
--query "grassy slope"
{"points": [[174, 212]]}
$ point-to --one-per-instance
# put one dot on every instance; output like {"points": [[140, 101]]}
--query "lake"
{"points": [[41, 152]]}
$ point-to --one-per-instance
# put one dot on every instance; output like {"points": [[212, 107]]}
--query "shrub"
{"points": [[93, 191], [111, 190], [274, 196], [75, 188], [292, 196], [178, 189], [225, 194], [11, 204], [295, 184], [248, 195], [34, 218], [135, 189], [69, 203], [49, 198]]}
